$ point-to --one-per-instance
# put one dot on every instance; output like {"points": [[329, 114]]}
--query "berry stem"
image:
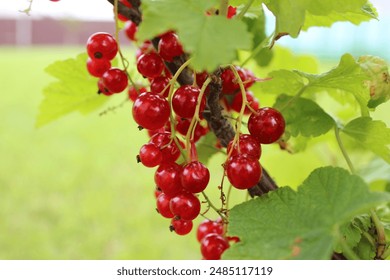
{"points": [[381, 235], [195, 118], [28, 9], [343, 150], [220, 213], [245, 9], [223, 8]]}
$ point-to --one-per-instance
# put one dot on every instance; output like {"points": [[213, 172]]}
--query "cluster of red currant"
{"points": [[102, 48], [173, 116]]}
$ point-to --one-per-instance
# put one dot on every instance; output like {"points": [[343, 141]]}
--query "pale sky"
{"points": [[91, 9]]}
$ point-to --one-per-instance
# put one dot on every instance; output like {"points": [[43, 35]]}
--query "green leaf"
{"points": [[292, 16], [211, 40], [74, 90], [347, 77], [305, 224], [371, 134], [303, 116], [206, 147], [379, 79]]}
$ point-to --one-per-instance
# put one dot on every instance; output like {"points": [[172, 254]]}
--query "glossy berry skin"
{"points": [[157, 86], [133, 93], [237, 102], [247, 144], [180, 226], [169, 46], [230, 84], [169, 149], [167, 178], [115, 80], [185, 205], [150, 111], [150, 155], [130, 30], [150, 65], [212, 246], [266, 125], [162, 203], [103, 89], [97, 67], [184, 101], [243, 171], [102, 46], [195, 176], [206, 227]]}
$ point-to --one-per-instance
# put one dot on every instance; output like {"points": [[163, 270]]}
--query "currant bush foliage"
{"points": [[332, 211]]}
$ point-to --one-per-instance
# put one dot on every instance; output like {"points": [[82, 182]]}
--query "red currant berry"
{"points": [[167, 178], [157, 192], [212, 246], [184, 101], [97, 67], [159, 86], [167, 146], [237, 102], [115, 80], [201, 78], [247, 144], [150, 65], [182, 126], [230, 84], [150, 111], [243, 171], [103, 89], [133, 94], [162, 204], [206, 227], [180, 226], [231, 11], [169, 46], [130, 30], [102, 46], [250, 78], [266, 125], [195, 176], [150, 155], [185, 205]]}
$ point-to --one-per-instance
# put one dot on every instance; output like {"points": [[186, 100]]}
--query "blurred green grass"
{"points": [[73, 190]]}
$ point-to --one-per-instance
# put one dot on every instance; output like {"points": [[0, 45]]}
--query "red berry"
{"points": [[185, 205], [169, 46], [167, 178], [212, 246], [168, 147], [162, 204], [266, 125], [103, 89], [97, 67], [130, 30], [247, 144], [150, 65], [102, 46], [243, 171], [206, 227], [230, 84], [115, 80], [150, 155], [195, 176], [237, 102], [133, 94], [150, 111], [180, 226], [183, 125], [159, 86], [184, 101], [231, 11]]}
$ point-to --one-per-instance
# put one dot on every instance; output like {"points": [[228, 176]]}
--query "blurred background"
{"points": [[72, 189]]}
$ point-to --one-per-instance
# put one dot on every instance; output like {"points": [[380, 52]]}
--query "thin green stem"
{"points": [[343, 150], [245, 9], [262, 45], [28, 9], [223, 7], [213, 207], [381, 235], [347, 251]]}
